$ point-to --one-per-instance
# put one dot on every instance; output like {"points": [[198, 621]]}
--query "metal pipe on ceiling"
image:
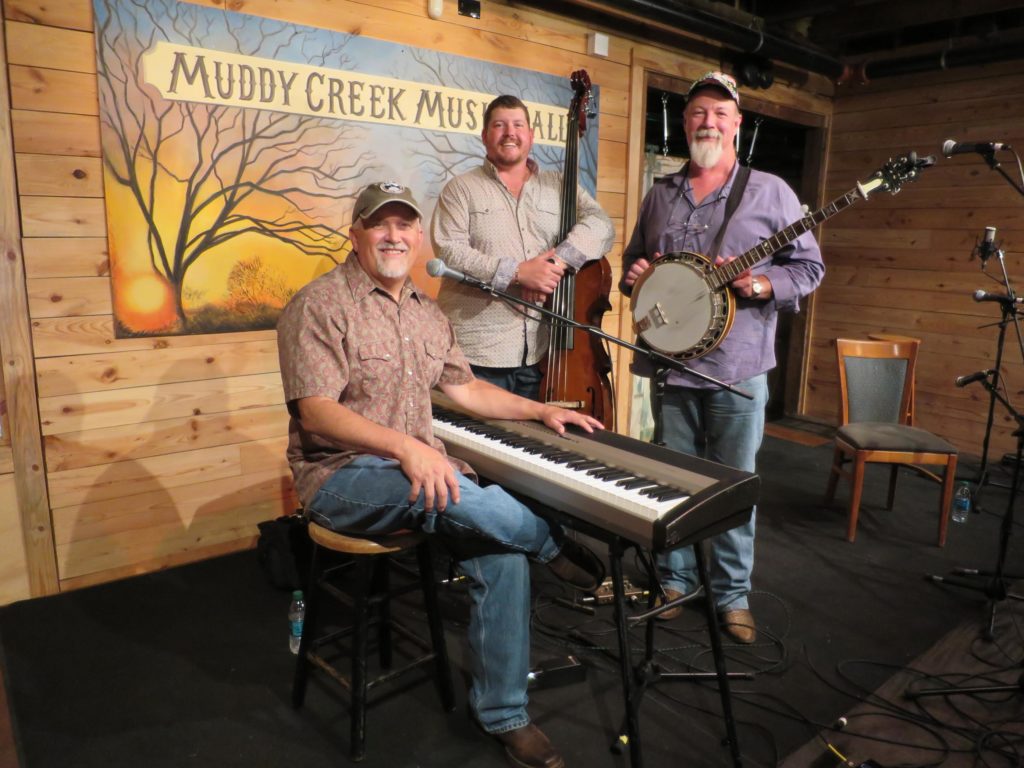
{"points": [[677, 19], [696, 22]]}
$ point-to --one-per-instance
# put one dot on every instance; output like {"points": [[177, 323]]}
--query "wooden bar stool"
{"points": [[369, 594]]}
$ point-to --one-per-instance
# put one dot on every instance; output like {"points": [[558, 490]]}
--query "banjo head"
{"points": [[675, 311]]}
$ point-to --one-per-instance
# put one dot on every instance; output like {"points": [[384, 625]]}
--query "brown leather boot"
{"points": [[575, 564], [739, 625], [528, 747], [671, 613]]}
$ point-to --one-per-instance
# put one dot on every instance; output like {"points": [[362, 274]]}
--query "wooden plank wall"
{"points": [[902, 264], [160, 451]]}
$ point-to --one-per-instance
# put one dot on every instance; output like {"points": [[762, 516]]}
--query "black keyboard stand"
{"points": [[636, 679]]}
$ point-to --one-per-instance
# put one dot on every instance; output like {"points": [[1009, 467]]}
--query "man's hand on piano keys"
{"points": [[428, 471], [557, 418]]}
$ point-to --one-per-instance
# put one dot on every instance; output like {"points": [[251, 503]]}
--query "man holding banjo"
{"points": [[709, 207]]}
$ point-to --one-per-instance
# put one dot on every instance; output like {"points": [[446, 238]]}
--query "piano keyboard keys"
{"points": [[643, 495]]}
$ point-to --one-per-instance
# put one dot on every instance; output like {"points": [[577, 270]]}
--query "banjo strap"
{"points": [[731, 204]]}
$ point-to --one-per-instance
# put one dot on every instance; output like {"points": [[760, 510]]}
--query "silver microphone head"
{"points": [[948, 146], [435, 268]]}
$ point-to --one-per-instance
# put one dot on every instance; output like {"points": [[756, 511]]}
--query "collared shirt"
{"points": [[671, 220], [482, 229], [345, 338]]}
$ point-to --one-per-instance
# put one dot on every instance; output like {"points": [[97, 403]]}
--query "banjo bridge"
{"points": [[655, 318]]}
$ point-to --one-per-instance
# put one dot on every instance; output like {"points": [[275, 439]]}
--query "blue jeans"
{"points": [[717, 425], [492, 535], [523, 381]]}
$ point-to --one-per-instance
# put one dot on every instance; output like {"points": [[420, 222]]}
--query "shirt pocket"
{"points": [[379, 365], [434, 357], [544, 220]]}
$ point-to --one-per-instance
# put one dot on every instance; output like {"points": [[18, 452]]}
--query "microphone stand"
{"points": [[1009, 311], [990, 159], [995, 585], [652, 355]]}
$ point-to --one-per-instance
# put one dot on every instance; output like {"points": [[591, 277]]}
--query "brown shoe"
{"points": [[739, 625], [578, 566], [528, 747], [674, 611]]}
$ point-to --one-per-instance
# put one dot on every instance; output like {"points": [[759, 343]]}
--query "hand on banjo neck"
{"points": [[743, 285]]}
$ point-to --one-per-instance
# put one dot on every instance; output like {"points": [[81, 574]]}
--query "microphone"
{"points": [[952, 147], [1002, 298], [437, 268], [963, 381], [987, 246]]}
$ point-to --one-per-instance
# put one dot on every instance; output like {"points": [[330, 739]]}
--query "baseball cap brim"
{"points": [[718, 80], [375, 196]]}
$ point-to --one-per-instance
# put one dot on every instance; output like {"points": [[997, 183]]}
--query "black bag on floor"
{"points": [[283, 549]]}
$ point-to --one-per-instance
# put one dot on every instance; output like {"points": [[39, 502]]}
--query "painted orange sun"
{"points": [[145, 303]]}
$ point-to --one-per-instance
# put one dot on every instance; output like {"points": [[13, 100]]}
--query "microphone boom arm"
{"points": [[653, 355]]}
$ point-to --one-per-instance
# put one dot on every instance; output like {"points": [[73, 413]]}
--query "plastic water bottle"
{"points": [[296, 615], [961, 503]]}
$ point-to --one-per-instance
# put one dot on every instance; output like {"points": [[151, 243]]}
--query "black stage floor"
{"points": [[190, 666]]}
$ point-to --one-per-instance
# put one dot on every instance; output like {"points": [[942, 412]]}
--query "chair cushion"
{"points": [[882, 436]]}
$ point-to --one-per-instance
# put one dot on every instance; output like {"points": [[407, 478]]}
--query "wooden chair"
{"points": [[913, 383], [876, 388], [369, 593]]}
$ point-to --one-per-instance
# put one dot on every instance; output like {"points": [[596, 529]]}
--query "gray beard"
{"points": [[706, 154], [390, 270]]}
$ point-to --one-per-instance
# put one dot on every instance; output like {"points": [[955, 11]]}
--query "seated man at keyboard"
{"points": [[361, 347]]}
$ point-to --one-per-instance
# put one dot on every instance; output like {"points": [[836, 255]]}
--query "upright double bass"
{"points": [[577, 367]]}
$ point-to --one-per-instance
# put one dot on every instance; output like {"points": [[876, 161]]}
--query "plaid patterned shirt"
{"points": [[344, 338]]}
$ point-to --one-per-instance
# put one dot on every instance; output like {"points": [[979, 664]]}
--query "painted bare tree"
{"points": [[204, 175]]}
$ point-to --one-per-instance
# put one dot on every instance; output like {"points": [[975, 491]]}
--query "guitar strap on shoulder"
{"points": [[731, 204]]}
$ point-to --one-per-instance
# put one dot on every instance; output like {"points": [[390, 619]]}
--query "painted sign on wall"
{"points": [[234, 147]]}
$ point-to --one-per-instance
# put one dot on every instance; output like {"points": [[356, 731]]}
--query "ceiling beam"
{"points": [[885, 16]]}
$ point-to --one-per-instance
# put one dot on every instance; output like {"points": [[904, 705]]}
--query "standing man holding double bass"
{"points": [[687, 212], [499, 223]]}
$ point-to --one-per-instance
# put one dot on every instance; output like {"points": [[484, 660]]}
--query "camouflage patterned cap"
{"points": [[717, 80]]}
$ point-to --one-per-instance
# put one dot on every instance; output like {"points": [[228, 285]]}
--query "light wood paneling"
{"points": [[27, 520], [53, 133], [14, 571], [55, 257], [63, 217], [60, 297], [76, 374], [105, 445], [81, 335], [34, 45], [70, 14], [96, 410], [53, 175], [53, 90]]}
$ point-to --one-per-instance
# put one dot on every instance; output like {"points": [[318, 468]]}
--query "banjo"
{"points": [[682, 305]]}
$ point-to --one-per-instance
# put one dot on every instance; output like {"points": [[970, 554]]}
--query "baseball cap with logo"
{"points": [[716, 80], [375, 196]]}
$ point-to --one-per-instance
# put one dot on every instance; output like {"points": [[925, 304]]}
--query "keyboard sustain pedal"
{"points": [[605, 594]]}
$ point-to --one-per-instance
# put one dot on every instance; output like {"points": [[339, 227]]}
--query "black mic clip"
{"points": [[986, 246]]}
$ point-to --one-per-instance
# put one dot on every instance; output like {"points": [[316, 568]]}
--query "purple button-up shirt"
{"points": [[671, 220]]}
